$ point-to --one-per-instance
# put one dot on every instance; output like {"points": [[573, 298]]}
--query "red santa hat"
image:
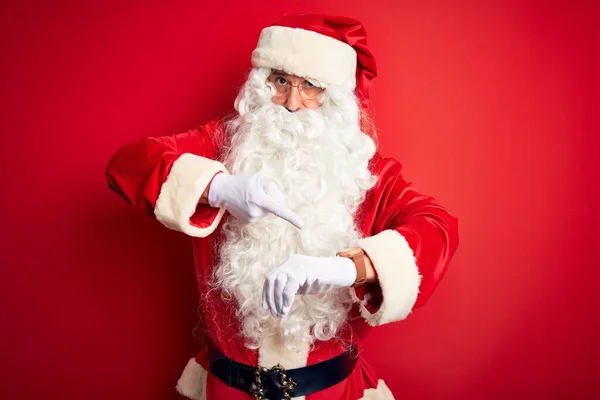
{"points": [[330, 49]]}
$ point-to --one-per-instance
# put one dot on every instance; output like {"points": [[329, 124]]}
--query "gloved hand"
{"points": [[249, 197], [301, 274]]}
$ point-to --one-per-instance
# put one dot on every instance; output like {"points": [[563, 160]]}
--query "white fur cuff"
{"points": [[398, 275], [382, 392], [179, 195], [307, 54], [192, 383]]}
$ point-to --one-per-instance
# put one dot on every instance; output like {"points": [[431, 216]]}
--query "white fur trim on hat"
{"points": [[397, 273], [307, 54], [179, 195], [192, 383]]}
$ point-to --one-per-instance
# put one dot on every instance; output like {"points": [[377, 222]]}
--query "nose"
{"points": [[294, 101]]}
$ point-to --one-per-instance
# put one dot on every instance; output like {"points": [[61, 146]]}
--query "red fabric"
{"points": [[205, 214], [430, 229], [347, 30], [137, 172], [375, 295]]}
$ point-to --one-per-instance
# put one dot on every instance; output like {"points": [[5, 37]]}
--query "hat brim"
{"points": [[306, 54]]}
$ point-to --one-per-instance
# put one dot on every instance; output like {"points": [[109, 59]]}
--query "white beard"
{"points": [[321, 168]]}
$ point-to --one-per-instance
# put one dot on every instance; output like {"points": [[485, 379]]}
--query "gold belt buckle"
{"points": [[287, 384]]}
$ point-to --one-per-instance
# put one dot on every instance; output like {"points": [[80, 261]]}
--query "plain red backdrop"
{"points": [[490, 105]]}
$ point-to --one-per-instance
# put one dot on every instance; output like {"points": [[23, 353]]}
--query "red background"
{"points": [[491, 106]]}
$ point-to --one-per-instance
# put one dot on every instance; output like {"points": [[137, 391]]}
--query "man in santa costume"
{"points": [[304, 237]]}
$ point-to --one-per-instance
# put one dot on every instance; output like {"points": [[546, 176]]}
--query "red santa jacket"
{"points": [[409, 237]]}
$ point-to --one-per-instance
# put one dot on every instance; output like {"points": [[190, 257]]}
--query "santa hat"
{"points": [[330, 49]]}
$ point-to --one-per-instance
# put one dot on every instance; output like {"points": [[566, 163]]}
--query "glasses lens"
{"points": [[282, 86], [310, 91]]}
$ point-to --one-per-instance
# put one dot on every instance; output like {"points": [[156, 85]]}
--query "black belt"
{"points": [[277, 383]]}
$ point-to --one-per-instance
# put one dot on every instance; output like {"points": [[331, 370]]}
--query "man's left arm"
{"points": [[413, 240]]}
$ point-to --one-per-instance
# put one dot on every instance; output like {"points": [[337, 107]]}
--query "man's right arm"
{"points": [[165, 177]]}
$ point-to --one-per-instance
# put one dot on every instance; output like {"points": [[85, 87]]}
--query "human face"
{"points": [[293, 92]]}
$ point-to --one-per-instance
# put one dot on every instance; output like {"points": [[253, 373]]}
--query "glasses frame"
{"points": [[290, 86]]}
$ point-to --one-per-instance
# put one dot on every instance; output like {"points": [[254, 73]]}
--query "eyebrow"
{"points": [[311, 81]]}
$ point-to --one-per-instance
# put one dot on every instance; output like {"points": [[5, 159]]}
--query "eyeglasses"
{"points": [[283, 87]]}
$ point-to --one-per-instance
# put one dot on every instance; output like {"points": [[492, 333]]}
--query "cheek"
{"points": [[278, 100], [312, 104]]}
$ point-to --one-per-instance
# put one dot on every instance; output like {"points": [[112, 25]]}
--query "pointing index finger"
{"points": [[278, 209]]}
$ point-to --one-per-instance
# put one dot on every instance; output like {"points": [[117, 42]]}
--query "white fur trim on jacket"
{"points": [[192, 383], [398, 276], [307, 54], [179, 195], [382, 392]]}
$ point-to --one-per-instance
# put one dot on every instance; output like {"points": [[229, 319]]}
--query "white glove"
{"points": [[249, 198], [305, 275]]}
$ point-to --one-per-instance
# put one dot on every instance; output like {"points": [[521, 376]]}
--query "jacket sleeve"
{"points": [[413, 240], [165, 177]]}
